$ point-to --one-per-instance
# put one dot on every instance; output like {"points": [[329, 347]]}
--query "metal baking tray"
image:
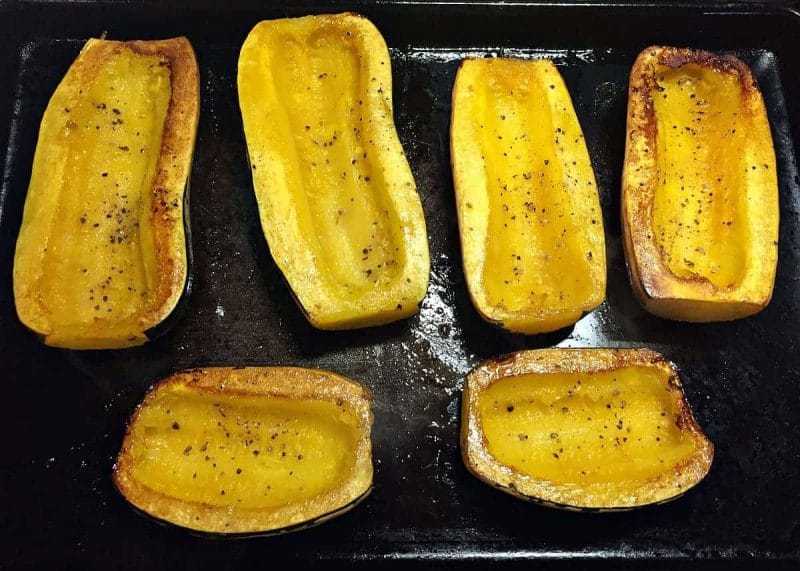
{"points": [[65, 411]]}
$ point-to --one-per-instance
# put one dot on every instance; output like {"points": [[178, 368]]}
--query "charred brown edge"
{"points": [[177, 55], [504, 359], [642, 84], [684, 420], [177, 313], [631, 264], [726, 63]]}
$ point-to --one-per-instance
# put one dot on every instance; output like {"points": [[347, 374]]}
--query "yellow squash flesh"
{"points": [[336, 196], [528, 208], [248, 450], [101, 255], [700, 191], [583, 428]]}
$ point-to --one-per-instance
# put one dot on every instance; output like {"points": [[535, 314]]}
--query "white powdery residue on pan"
{"points": [[435, 326]]}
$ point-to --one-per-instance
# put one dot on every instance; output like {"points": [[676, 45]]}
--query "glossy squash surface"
{"points": [[528, 209], [101, 256], [248, 450], [336, 196], [583, 428], [700, 192]]}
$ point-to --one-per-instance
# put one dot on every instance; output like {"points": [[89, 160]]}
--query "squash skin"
{"points": [[277, 384], [554, 173], [300, 209], [694, 297], [670, 485], [165, 214]]}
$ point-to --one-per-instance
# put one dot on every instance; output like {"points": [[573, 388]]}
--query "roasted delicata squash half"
{"points": [[337, 200], [700, 188], [102, 258], [528, 208], [257, 450], [583, 429]]}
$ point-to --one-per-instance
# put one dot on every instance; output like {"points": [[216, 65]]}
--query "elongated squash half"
{"points": [[583, 429], [102, 255], [528, 209], [257, 450], [700, 188], [337, 199]]}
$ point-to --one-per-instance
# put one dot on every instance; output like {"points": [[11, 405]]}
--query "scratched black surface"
{"points": [[64, 412]]}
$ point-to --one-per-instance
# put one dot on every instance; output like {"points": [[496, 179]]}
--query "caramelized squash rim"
{"points": [[169, 195], [655, 286], [481, 464], [295, 383]]}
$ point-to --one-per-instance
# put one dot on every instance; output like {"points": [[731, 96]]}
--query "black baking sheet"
{"points": [[64, 412]]}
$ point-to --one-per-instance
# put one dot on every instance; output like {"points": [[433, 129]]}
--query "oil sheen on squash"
{"points": [[529, 211], [700, 201], [249, 451], [329, 170], [700, 190], [101, 256], [606, 427], [111, 144]]}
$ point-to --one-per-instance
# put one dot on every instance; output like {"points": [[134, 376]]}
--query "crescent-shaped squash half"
{"points": [[255, 450], [102, 254], [337, 200], [699, 188], [528, 209], [583, 429]]}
